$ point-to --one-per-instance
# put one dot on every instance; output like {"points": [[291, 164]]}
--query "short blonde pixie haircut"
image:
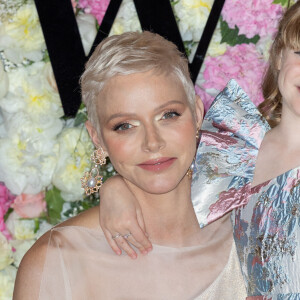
{"points": [[288, 36], [128, 53]]}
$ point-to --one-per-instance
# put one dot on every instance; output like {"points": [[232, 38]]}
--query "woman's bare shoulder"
{"points": [[29, 274], [30, 271]]}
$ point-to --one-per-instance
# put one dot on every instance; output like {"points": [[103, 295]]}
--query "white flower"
{"points": [[27, 164], [21, 247], [192, 15], [21, 35], [127, 19], [75, 148], [31, 114], [6, 257], [31, 92], [21, 230], [7, 279], [49, 76], [216, 48], [2, 126], [44, 227], [87, 29], [3, 81], [24, 229], [263, 46], [28, 154]]}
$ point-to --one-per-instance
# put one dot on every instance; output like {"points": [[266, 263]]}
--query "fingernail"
{"points": [[119, 252], [133, 256], [144, 252], [149, 249]]}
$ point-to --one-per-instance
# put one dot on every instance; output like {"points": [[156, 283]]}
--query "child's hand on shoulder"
{"points": [[121, 218]]}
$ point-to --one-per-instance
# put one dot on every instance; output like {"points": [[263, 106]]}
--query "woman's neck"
{"points": [[281, 145], [170, 218], [287, 135], [287, 131]]}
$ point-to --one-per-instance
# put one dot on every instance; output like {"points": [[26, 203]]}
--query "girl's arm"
{"points": [[120, 214]]}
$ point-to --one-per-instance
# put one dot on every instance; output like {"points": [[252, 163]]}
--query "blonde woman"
{"points": [[144, 115]]}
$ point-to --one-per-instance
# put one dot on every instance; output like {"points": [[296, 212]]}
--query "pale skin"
{"points": [[279, 152], [143, 117], [280, 149]]}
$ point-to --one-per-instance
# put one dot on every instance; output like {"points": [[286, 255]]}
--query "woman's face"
{"points": [[289, 80], [148, 129]]}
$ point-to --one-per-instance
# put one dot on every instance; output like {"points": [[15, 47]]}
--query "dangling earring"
{"points": [[189, 172], [92, 181], [198, 134]]}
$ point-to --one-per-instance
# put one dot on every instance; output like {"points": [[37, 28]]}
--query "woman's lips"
{"points": [[157, 165]]}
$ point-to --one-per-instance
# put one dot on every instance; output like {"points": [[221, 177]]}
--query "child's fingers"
{"points": [[118, 243], [142, 236], [136, 244], [112, 242], [124, 245], [141, 240]]}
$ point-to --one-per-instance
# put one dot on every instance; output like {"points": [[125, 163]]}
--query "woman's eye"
{"points": [[122, 127], [170, 115]]}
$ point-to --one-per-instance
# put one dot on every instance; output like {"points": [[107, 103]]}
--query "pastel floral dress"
{"points": [[266, 218]]}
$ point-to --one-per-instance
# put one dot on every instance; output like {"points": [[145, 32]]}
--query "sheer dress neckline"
{"points": [[81, 265], [162, 248]]}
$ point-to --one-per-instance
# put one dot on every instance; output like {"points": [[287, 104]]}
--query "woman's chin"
{"points": [[160, 186]]}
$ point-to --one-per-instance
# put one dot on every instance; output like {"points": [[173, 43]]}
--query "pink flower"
{"points": [[252, 16], [206, 99], [242, 63], [97, 8], [6, 198], [74, 5], [29, 206]]}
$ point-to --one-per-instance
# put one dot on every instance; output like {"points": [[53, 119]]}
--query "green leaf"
{"points": [[232, 37], [79, 206], [282, 2], [174, 2], [46, 57], [54, 205], [9, 211], [36, 225], [81, 116], [80, 119]]}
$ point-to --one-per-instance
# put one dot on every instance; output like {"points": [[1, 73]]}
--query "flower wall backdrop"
{"points": [[43, 154]]}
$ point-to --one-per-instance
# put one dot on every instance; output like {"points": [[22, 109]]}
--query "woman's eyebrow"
{"points": [[169, 103], [132, 115], [121, 115]]}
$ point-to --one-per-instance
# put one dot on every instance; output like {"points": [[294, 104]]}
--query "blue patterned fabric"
{"points": [[266, 218]]}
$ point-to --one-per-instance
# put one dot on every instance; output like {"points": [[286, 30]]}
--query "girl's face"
{"points": [[289, 81], [148, 129]]}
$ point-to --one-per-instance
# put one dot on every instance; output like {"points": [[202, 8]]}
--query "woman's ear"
{"points": [[98, 142], [93, 133], [199, 109]]}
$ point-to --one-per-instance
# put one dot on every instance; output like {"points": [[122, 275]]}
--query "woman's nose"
{"points": [[153, 140]]}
